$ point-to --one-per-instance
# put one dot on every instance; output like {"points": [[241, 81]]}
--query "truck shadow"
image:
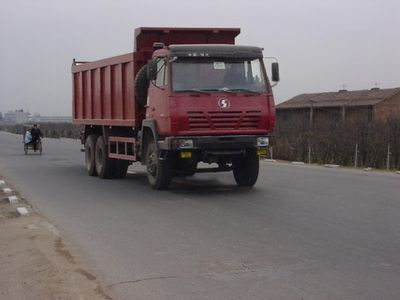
{"points": [[197, 185], [193, 185]]}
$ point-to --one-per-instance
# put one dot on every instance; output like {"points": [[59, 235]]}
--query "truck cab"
{"points": [[211, 104]]}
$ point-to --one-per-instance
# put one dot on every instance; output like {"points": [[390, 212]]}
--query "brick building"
{"points": [[347, 106]]}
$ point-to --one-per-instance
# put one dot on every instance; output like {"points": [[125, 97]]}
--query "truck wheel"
{"points": [[121, 168], [245, 170], [141, 86], [104, 165], [159, 172], [90, 164]]}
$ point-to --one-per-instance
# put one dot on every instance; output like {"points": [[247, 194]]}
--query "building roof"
{"points": [[340, 98]]}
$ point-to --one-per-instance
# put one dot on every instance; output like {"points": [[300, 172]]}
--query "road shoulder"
{"points": [[35, 261]]}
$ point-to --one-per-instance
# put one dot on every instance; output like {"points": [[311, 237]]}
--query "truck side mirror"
{"points": [[275, 71], [152, 69]]}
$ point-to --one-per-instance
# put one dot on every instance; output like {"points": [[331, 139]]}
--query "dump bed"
{"points": [[103, 90]]}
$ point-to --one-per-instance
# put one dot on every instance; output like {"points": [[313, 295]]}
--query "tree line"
{"points": [[51, 130]]}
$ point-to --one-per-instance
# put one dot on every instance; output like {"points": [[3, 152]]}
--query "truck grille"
{"points": [[226, 120]]}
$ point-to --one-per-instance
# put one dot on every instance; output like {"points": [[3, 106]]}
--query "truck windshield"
{"points": [[212, 74]]}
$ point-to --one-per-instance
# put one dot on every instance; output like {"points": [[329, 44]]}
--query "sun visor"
{"points": [[221, 51]]}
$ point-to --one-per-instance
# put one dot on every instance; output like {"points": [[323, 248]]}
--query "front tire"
{"points": [[104, 165], [90, 164], [245, 169], [159, 172]]}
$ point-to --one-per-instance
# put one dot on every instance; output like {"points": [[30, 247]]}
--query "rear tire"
{"points": [[90, 163], [245, 170], [104, 165], [159, 172]]}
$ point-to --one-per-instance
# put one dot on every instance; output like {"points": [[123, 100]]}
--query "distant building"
{"points": [[18, 116], [345, 106], [51, 119]]}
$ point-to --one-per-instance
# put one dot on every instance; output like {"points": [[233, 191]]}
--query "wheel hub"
{"points": [[152, 164]]}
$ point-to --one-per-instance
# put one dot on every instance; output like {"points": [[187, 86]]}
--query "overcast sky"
{"points": [[321, 45]]}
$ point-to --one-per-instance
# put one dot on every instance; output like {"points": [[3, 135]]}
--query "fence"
{"points": [[374, 144]]}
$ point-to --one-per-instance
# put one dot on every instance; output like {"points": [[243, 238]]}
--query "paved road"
{"points": [[302, 233]]}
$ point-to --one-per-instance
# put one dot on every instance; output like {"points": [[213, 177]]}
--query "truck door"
{"points": [[158, 101]]}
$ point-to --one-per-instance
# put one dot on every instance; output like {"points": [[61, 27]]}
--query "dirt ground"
{"points": [[35, 262]]}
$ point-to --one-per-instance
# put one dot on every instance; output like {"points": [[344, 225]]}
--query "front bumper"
{"points": [[227, 142]]}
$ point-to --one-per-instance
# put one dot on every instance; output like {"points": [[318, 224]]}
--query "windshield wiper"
{"points": [[220, 90], [193, 91], [232, 91], [246, 91]]}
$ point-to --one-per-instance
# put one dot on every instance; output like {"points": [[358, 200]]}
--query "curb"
{"points": [[331, 166], [269, 160], [13, 199], [7, 190], [22, 211]]}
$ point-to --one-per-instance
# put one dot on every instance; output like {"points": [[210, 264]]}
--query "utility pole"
{"points": [[272, 152], [356, 156], [344, 113], [388, 158], [311, 112]]}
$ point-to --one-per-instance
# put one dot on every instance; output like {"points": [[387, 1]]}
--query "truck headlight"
{"points": [[185, 144], [262, 141]]}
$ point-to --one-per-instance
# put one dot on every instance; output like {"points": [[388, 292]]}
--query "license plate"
{"points": [[262, 152]]}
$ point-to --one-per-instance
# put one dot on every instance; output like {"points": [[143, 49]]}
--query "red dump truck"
{"points": [[184, 96]]}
